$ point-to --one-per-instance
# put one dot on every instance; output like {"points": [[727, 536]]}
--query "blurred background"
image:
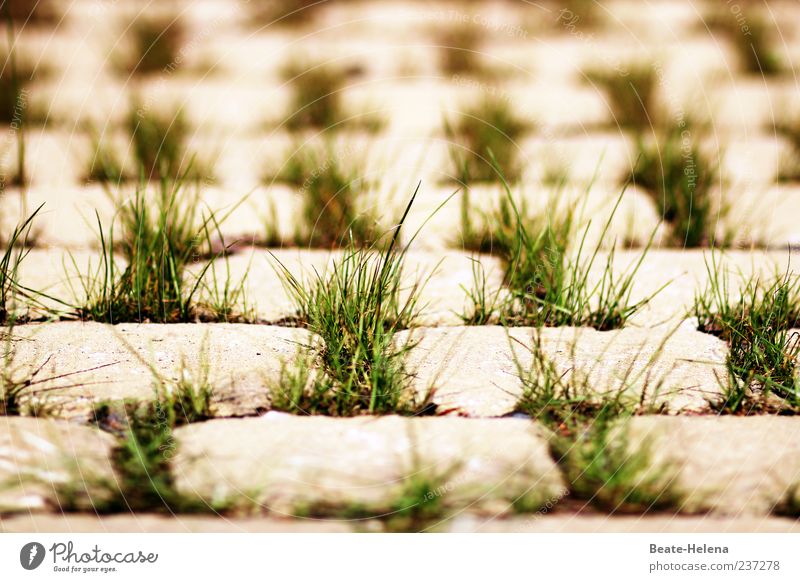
{"points": [[275, 109]]}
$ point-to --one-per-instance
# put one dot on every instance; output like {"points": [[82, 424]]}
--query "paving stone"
{"points": [[37, 455], [736, 466], [108, 362], [287, 462], [474, 370]]}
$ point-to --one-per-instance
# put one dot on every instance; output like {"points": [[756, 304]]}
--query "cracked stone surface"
{"points": [[475, 371], [288, 462], [37, 454], [100, 362]]}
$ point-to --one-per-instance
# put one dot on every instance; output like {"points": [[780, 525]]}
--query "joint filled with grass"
{"points": [[13, 295], [155, 45], [679, 176], [356, 310], [763, 354], [546, 282], [330, 187], [316, 101], [632, 97], [588, 434], [150, 282], [606, 470], [485, 142]]}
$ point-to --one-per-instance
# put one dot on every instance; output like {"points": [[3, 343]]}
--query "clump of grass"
{"points": [[484, 138], [762, 358], [577, 14], [483, 301], [156, 42], [186, 398], [592, 450], [751, 35], [15, 76], [565, 402], [356, 311], [603, 468], [458, 47], [105, 164], [158, 241], [330, 188], [422, 500], [548, 284], [159, 144], [316, 96], [631, 97], [141, 461], [679, 177], [16, 249], [146, 443]]}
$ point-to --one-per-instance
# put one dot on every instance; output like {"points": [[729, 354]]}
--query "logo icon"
{"points": [[31, 555]]}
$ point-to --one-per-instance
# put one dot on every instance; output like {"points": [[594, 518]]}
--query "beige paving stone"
{"points": [[736, 466], [37, 456], [685, 273], [475, 371], [445, 295], [286, 462], [68, 215], [443, 298], [106, 362]]}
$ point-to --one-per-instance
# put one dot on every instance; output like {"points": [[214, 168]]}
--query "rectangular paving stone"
{"points": [[39, 456], [111, 363], [728, 465], [289, 462], [475, 371]]}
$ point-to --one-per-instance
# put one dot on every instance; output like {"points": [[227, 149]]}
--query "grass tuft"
{"points": [[485, 138], [316, 101], [159, 240], [565, 401], [330, 187], [789, 506], [356, 311], [16, 248], [753, 41], [588, 436], [762, 359], [160, 145], [604, 469], [458, 48], [548, 284], [156, 42], [146, 443], [679, 177], [631, 97]]}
